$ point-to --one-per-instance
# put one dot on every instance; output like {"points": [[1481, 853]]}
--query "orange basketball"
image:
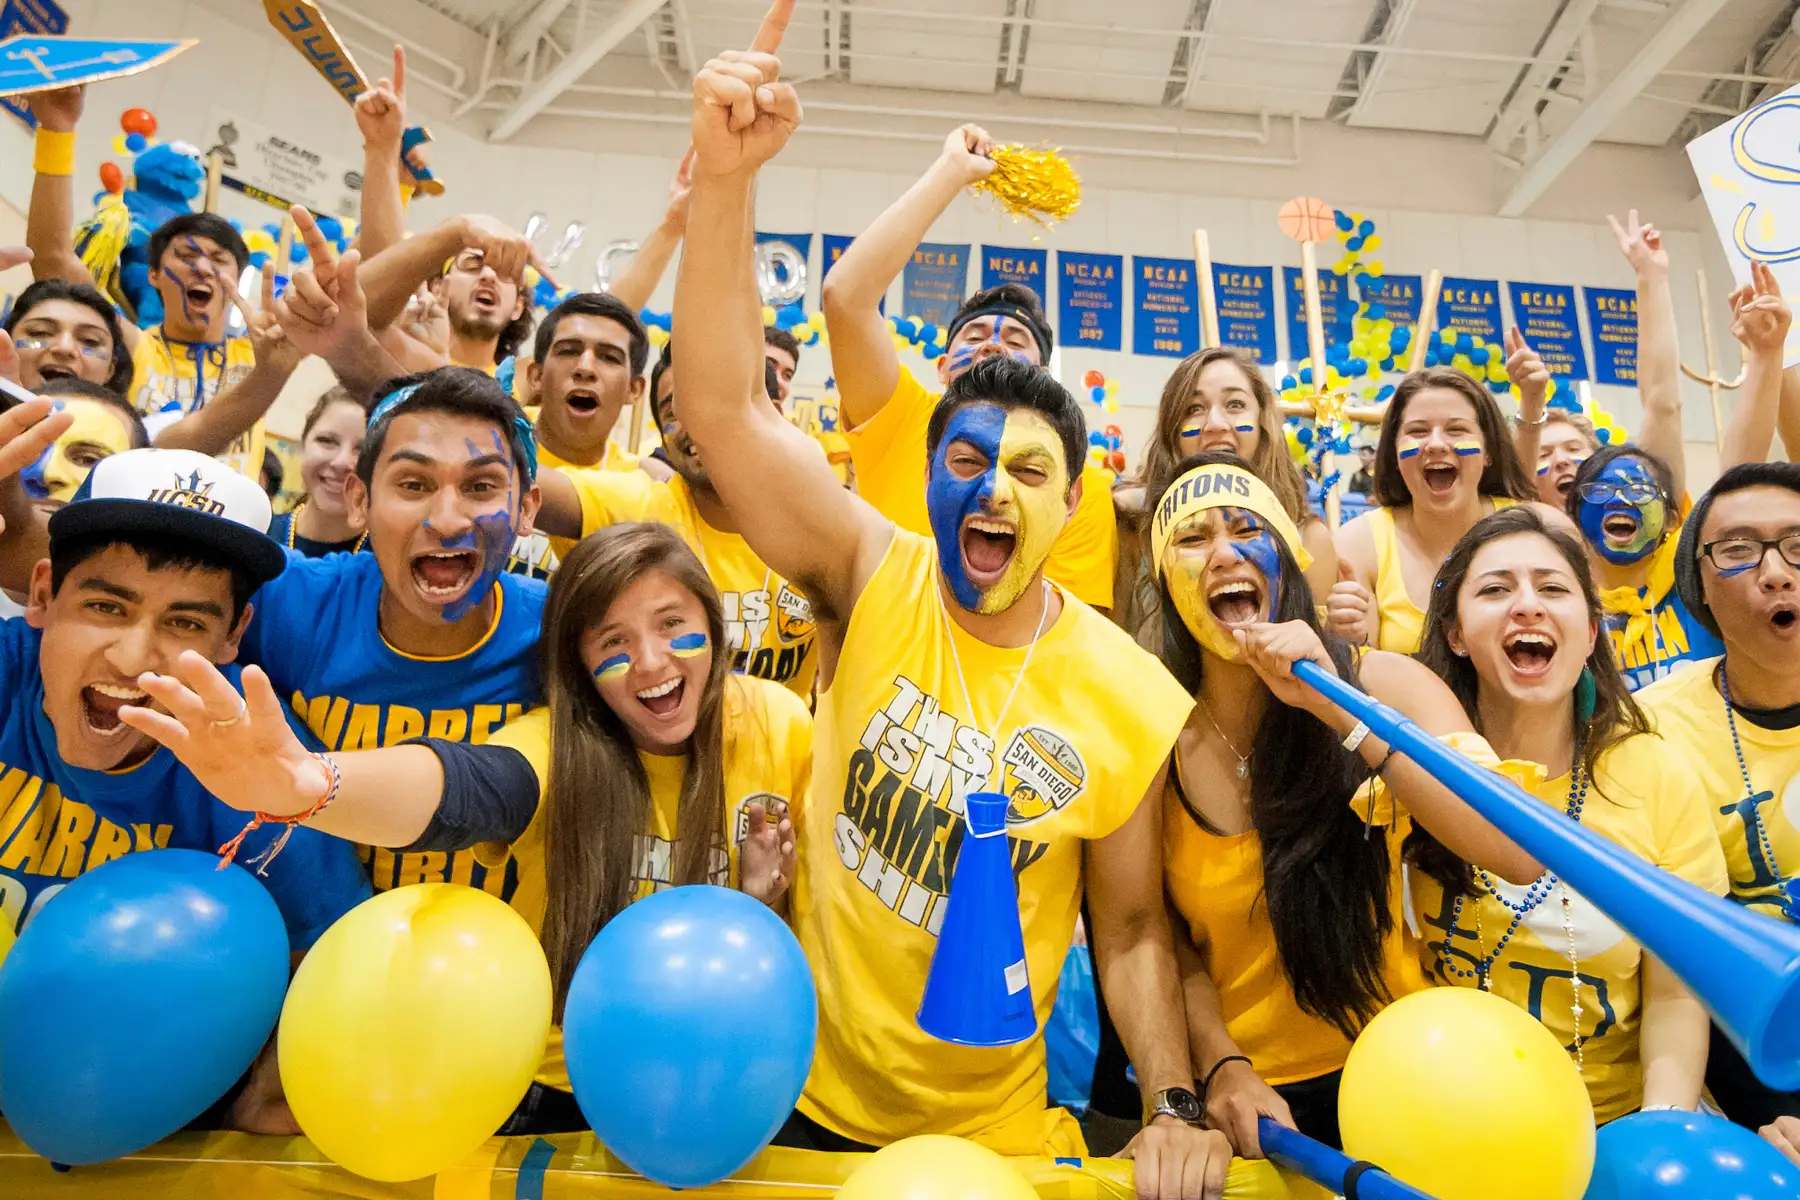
{"points": [[1307, 219]]}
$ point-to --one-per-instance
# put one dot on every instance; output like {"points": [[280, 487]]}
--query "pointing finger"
{"points": [[774, 26], [399, 72]]}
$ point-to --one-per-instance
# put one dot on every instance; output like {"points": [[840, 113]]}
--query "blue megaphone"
{"points": [[978, 991]]}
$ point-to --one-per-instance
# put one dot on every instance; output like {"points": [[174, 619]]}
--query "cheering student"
{"points": [[1514, 628], [1734, 723], [1293, 933], [769, 629], [1565, 440], [63, 330], [593, 799], [947, 666], [330, 443], [1443, 462], [782, 350], [196, 387], [885, 411], [587, 367]]}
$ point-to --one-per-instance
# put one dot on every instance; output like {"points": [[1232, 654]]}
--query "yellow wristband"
{"points": [[53, 153]]}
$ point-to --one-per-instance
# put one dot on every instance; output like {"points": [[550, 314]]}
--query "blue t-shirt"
{"points": [[316, 632], [1675, 638], [57, 821]]}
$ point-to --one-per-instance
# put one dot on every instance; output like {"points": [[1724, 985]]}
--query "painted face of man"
{"points": [[997, 494], [987, 336], [1622, 512]]}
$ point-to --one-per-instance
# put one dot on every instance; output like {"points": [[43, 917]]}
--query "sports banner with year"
{"points": [[1545, 313], [1165, 313], [1398, 296], [934, 282], [1613, 327], [1335, 306], [1246, 299], [1090, 298], [1470, 306], [1027, 268]]}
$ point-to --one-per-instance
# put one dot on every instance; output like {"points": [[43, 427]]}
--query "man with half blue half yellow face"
{"points": [[1623, 501], [951, 664]]}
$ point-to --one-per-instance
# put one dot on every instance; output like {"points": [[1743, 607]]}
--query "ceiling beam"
{"points": [[1559, 42], [1606, 102], [580, 61], [1399, 14], [534, 24]]}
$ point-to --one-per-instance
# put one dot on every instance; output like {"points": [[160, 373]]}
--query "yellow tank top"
{"points": [[1402, 621], [1089, 722], [170, 379]]}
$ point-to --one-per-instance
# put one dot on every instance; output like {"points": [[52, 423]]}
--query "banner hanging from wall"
{"points": [[1335, 306], [1470, 306], [1545, 313], [1246, 299], [1399, 298], [1090, 300], [1613, 325], [1027, 268], [934, 282], [1165, 311]]}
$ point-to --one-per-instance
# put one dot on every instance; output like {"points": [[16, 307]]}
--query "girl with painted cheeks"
{"points": [[1565, 442], [1290, 938], [1514, 627], [650, 765], [1623, 501]]}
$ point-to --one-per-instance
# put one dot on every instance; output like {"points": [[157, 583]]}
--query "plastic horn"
{"points": [[1744, 967], [1329, 1168]]}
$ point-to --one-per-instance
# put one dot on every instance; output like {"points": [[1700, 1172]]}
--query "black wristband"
{"points": [[1206, 1084], [1385, 759], [1356, 1172]]}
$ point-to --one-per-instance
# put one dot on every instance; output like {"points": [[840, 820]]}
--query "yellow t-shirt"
{"points": [[888, 452], [1690, 714], [768, 759], [767, 621], [1641, 800], [1090, 720], [1402, 621], [170, 379], [1216, 884], [615, 459]]}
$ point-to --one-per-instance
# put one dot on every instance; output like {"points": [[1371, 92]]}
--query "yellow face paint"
{"points": [[97, 432], [1028, 445], [1184, 575]]}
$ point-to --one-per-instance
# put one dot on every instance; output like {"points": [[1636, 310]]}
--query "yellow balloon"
{"points": [[1467, 1097], [1111, 385], [768, 314], [413, 1028], [934, 1167]]}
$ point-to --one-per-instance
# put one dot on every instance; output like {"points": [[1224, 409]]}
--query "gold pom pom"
{"points": [[1038, 184]]}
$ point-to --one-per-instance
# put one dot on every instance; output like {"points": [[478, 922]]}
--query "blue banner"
{"points": [[1545, 314], [1334, 305], [832, 247], [1028, 268], [29, 16], [1165, 315], [934, 281], [1399, 297], [1613, 324], [1470, 306], [1246, 300], [794, 310], [1091, 300]]}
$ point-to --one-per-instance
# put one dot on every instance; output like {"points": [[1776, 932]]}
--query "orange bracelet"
{"points": [[261, 862]]}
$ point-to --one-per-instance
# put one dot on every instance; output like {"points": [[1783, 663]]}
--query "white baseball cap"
{"points": [[177, 492]]}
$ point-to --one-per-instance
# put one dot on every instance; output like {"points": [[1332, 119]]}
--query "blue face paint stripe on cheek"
{"points": [[1408, 447], [950, 500], [615, 667], [687, 645], [1262, 553]]}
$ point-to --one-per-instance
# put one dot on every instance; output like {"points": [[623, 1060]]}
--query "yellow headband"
{"points": [[1220, 486]]}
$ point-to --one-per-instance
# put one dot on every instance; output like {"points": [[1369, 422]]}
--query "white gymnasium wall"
{"points": [[1429, 195]]}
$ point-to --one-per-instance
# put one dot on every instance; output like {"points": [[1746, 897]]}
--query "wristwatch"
{"points": [[1175, 1102]]}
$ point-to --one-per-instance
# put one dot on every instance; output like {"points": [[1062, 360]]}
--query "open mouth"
{"points": [[101, 702], [1440, 478], [987, 548], [1530, 653], [1619, 528], [583, 403], [443, 575], [1565, 485], [487, 297], [54, 371], [199, 295], [1785, 618], [1238, 602], [665, 698]]}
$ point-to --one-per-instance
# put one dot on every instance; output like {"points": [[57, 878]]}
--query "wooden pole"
{"points": [[1315, 345], [1209, 302], [1712, 368], [215, 168], [284, 249], [1434, 283]]}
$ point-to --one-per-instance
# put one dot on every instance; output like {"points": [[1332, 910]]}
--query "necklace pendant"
{"points": [[1243, 769]]}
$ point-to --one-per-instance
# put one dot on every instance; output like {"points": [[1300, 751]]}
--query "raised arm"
{"points": [[806, 526], [1760, 320], [637, 282], [381, 116], [1529, 374], [391, 277], [862, 350], [323, 312], [1658, 352], [50, 223], [212, 428]]}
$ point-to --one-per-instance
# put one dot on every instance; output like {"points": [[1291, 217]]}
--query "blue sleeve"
{"points": [[278, 611], [314, 880], [18, 663]]}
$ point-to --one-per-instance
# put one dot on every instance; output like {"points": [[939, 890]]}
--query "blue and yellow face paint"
{"points": [[613, 667], [962, 357], [1466, 447], [1623, 486], [1408, 447], [687, 645], [1008, 440]]}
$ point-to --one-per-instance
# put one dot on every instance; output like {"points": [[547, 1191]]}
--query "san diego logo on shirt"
{"points": [[900, 827], [189, 492]]}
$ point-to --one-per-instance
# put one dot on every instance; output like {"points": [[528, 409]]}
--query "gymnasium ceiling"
{"points": [[1538, 80]]}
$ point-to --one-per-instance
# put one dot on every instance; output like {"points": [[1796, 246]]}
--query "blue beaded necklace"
{"points": [[1787, 886]]}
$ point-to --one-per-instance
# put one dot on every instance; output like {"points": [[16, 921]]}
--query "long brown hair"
{"points": [[1504, 474], [1616, 716], [597, 798], [1271, 463]]}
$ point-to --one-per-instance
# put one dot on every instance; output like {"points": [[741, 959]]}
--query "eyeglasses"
{"points": [[44, 343], [1739, 553], [1602, 492], [469, 261]]}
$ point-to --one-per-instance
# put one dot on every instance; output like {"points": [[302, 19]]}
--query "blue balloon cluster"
{"points": [[656, 320], [1103, 441]]}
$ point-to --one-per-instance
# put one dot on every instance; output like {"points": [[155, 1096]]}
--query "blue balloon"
{"points": [[1431, 358], [1366, 228], [1479, 356], [1289, 383], [297, 252], [1359, 366], [133, 1000], [1097, 393], [1096, 438], [1683, 1154], [1402, 338], [1342, 220], [1304, 435], [688, 1032], [1387, 389], [137, 143], [928, 332], [1377, 311], [1353, 244], [1306, 376], [1465, 342]]}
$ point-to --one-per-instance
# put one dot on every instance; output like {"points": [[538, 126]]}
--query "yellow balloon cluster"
{"points": [[811, 330], [659, 337], [260, 241], [1473, 355]]}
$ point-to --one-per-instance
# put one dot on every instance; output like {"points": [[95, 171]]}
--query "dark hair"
{"points": [[771, 381], [1784, 475], [663, 362], [1596, 462], [463, 391], [594, 304], [1504, 474], [596, 796], [160, 552], [781, 339], [334, 395], [1004, 380], [273, 474], [199, 225], [1325, 883], [46, 290], [65, 385], [514, 334], [1016, 294], [1616, 716]]}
